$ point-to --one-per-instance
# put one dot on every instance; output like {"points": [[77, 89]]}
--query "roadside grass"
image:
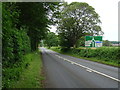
{"points": [[32, 76], [95, 59]]}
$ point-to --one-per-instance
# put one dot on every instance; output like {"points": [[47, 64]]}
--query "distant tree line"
{"points": [[110, 43], [115, 42]]}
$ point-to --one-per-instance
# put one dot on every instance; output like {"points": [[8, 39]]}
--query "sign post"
{"points": [[93, 41]]}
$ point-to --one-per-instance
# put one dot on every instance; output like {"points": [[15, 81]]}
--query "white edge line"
{"points": [[87, 68]]}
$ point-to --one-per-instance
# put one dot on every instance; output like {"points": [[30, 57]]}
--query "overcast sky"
{"points": [[108, 12]]}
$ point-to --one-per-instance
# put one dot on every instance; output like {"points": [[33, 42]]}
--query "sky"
{"points": [[108, 12]]}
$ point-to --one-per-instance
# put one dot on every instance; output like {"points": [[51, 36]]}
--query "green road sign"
{"points": [[93, 41]]}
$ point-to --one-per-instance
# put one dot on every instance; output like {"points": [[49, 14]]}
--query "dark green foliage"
{"points": [[15, 44], [105, 54], [51, 39], [77, 20], [80, 42], [23, 26], [9, 75], [65, 49], [33, 15], [37, 16], [106, 43]]}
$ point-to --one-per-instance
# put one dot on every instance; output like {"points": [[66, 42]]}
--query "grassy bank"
{"points": [[32, 76], [109, 56]]}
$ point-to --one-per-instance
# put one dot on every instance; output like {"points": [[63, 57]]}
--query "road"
{"points": [[63, 71]]}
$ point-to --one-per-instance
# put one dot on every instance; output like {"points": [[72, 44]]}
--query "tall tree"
{"points": [[22, 23], [15, 43], [37, 17], [76, 20]]}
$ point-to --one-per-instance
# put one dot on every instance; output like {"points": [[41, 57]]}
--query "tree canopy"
{"points": [[37, 17], [77, 20], [51, 39], [24, 24]]}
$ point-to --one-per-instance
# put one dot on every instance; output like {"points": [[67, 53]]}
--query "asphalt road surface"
{"points": [[63, 71]]}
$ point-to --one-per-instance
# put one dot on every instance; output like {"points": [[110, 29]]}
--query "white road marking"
{"points": [[64, 59], [59, 56], [56, 55], [72, 62], [89, 69]]}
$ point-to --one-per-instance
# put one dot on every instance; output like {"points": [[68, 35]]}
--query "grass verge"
{"points": [[32, 76], [107, 62]]}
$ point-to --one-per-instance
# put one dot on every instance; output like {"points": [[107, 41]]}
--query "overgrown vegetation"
{"points": [[23, 26], [15, 44], [32, 76], [104, 55]]}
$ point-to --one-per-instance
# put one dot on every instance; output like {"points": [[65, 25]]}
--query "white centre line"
{"points": [[89, 69]]}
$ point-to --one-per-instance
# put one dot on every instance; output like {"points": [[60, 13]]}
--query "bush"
{"points": [[9, 75], [102, 53], [16, 44], [64, 49]]}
